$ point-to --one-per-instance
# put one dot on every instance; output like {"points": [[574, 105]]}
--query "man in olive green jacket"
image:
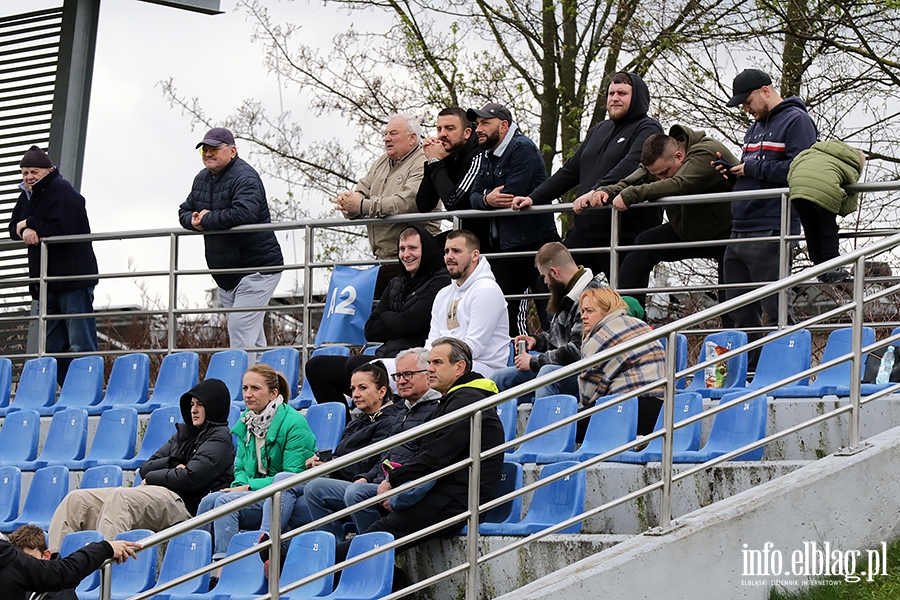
{"points": [[674, 165]]}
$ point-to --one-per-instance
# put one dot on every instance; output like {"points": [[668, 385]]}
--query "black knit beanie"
{"points": [[35, 157]]}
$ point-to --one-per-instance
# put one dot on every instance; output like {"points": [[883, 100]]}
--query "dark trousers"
{"points": [[821, 230], [517, 274], [638, 264], [329, 376]]}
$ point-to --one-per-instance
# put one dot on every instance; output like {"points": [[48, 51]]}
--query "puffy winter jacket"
{"points": [[819, 174]]}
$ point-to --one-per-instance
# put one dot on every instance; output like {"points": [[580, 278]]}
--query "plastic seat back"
{"points": [[134, 575], [309, 552], [10, 490], [681, 356], [84, 383], [19, 436], [104, 476], [76, 541], [557, 501], [545, 411], [782, 358], [244, 577], [511, 478], [327, 422], [509, 417], [129, 382], [37, 385], [306, 398], [371, 578], [115, 437], [48, 488], [287, 362], [160, 428], [5, 381], [229, 366], [67, 437], [177, 374], [610, 428], [185, 553], [687, 404], [840, 342], [742, 424], [736, 366]]}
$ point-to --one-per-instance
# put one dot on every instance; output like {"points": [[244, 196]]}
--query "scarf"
{"points": [[258, 424]]}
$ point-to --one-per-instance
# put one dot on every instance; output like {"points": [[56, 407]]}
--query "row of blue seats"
{"points": [[242, 580], [115, 439], [129, 381]]}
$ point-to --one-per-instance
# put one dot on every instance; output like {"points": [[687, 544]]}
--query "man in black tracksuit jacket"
{"points": [[450, 170], [610, 152]]}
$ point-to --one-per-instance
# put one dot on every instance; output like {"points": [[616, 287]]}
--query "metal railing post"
{"points": [[856, 362], [275, 550], [614, 249], [665, 504], [42, 302], [307, 293], [474, 501], [106, 581], [784, 260], [173, 291]]}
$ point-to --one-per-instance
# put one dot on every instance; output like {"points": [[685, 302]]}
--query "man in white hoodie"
{"points": [[472, 307]]}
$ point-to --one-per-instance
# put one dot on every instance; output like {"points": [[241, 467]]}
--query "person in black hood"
{"points": [[610, 152], [199, 458], [400, 320]]}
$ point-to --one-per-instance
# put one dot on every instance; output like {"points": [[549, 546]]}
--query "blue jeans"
{"points": [[294, 511], [510, 377], [70, 335], [225, 528], [327, 496]]}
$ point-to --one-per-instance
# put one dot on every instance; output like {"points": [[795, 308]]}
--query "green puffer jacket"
{"points": [[818, 174], [289, 442]]}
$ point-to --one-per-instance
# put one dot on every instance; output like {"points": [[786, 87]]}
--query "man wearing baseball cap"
{"points": [[229, 192], [781, 130], [50, 206], [510, 167]]}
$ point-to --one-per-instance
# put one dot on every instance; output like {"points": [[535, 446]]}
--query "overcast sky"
{"points": [[140, 157]]}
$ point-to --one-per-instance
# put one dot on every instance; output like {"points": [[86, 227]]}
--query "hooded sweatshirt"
{"points": [[769, 147], [207, 452], [611, 150], [474, 312], [402, 317]]}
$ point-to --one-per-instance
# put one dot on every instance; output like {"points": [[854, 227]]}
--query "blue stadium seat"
{"points": [[37, 387], [305, 398], [511, 478], [840, 342], [83, 386], [348, 304], [19, 437], [185, 553], [5, 381], [545, 411], [48, 488], [681, 356], [327, 422], [310, 552], [177, 374], [234, 413], [742, 424], [66, 439], [132, 576], [75, 541], [782, 358], [370, 350], [606, 430], [372, 578], [229, 366], [509, 416], [101, 477], [241, 579], [10, 491], [551, 504], [287, 362], [866, 389], [160, 428], [114, 439], [128, 383], [687, 404], [736, 377]]}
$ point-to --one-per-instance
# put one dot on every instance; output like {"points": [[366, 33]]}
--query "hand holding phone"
{"points": [[324, 455], [724, 164]]}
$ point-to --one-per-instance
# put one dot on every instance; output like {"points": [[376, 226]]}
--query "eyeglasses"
{"points": [[211, 150], [406, 374]]}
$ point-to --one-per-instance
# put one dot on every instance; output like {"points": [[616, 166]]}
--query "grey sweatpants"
{"points": [[246, 329]]}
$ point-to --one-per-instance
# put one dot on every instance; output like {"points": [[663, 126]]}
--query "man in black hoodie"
{"points": [[451, 168], [610, 152], [198, 459]]}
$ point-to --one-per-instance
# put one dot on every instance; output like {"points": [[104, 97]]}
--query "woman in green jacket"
{"points": [[272, 438]]}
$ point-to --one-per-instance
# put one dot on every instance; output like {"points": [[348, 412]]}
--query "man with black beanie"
{"points": [[50, 206]]}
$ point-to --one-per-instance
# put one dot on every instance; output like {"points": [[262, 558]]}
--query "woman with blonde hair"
{"points": [[606, 323]]}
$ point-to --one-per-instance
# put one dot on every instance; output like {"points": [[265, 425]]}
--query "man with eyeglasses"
{"points": [[326, 496], [229, 192]]}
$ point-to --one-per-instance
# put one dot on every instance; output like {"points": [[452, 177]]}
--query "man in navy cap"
{"points": [[226, 193], [510, 167], [50, 206]]}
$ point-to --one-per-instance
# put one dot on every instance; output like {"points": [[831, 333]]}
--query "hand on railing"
{"points": [[586, 201], [123, 549]]}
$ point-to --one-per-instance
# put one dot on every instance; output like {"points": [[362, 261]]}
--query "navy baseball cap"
{"points": [[216, 137], [746, 83], [491, 110]]}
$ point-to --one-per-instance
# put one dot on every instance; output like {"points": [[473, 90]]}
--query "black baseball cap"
{"points": [[216, 137], [491, 110], [745, 83]]}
